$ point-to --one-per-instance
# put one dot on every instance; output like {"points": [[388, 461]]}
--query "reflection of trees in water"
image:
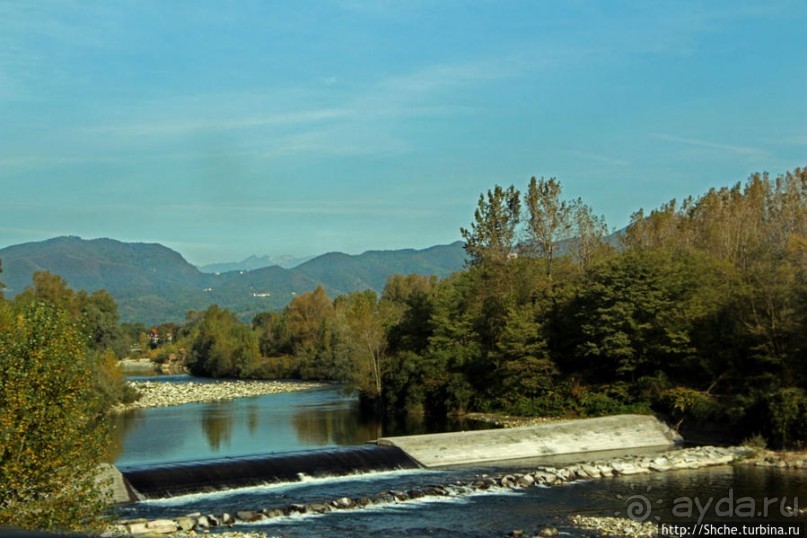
{"points": [[119, 426], [340, 426], [154, 433], [253, 417], [350, 426], [217, 423]]}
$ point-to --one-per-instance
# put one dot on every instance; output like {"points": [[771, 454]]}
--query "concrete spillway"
{"points": [[204, 476], [482, 447], [620, 432]]}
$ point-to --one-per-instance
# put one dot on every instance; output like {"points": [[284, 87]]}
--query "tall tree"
{"points": [[367, 320], [549, 220], [662, 228], [492, 237], [307, 315], [52, 437], [274, 335], [99, 313], [636, 315], [223, 346], [524, 368], [455, 357], [411, 299], [588, 231], [54, 290]]}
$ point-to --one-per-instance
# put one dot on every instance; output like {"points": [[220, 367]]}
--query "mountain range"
{"points": [[255, 262], [152, 283]]}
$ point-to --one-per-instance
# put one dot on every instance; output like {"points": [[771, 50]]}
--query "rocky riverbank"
{"points": [[691, 458], [510, 421], [616, 526], [783, 460], [163, 394]]}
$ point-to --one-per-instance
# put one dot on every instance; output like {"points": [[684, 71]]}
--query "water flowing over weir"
{"points": [[484, 447], [227, 473]]}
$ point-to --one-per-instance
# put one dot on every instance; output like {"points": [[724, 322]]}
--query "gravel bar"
{"points": [[163, 394]]}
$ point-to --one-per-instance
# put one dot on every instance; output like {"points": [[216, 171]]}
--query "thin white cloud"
{"points": [[358, 123], [302, 117], [741, 150]]}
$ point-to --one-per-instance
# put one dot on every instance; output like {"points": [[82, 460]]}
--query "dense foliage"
{"points": [[58, 378], [51, 433], [699, 312]]}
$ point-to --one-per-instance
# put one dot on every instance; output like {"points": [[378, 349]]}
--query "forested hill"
{"points": [[153, 283]]}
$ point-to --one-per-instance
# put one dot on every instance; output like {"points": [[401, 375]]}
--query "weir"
{"points": [[619, 432], [211, 475], [639, 433]]}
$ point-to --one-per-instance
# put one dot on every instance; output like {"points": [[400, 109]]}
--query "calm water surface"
{"points": [[324, 418], [273, 423]]}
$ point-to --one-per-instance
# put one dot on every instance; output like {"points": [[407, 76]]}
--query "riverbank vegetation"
{"points": [[58, 379], [697, 310]]}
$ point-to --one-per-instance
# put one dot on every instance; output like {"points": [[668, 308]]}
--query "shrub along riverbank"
{"points": [[58, 380]]}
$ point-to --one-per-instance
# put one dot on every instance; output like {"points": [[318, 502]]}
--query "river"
{"points": [[325, 418]]}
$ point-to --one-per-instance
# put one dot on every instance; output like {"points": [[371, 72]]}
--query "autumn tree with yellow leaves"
{"points": [[52, 432]]}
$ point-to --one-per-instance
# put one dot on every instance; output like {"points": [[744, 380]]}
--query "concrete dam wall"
{"points": [[204, 476], [619, 432], [582, 437]]}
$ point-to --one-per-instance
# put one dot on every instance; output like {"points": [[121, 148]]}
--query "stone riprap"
{"points": [[162, 394], [690, 458]]}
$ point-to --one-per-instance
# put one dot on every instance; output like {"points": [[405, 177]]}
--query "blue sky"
{"points": [[224, 129]]}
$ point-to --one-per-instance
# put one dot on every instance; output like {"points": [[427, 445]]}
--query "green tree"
{"points": [[411, 301], [493, 234], [549, 220], [524, 367], [662, 228], [411, 297], [786, 416], [53, 290], [222, 346], [307, 315], [99, 313], [556, 226], [367, 320], [455, 357], [318, 338], [589, 232], [636, 315], [96, 315], [52, 437], [274, 335]]}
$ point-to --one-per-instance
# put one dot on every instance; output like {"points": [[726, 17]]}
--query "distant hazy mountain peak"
{"points": [[254, 262], [153, 283]]}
